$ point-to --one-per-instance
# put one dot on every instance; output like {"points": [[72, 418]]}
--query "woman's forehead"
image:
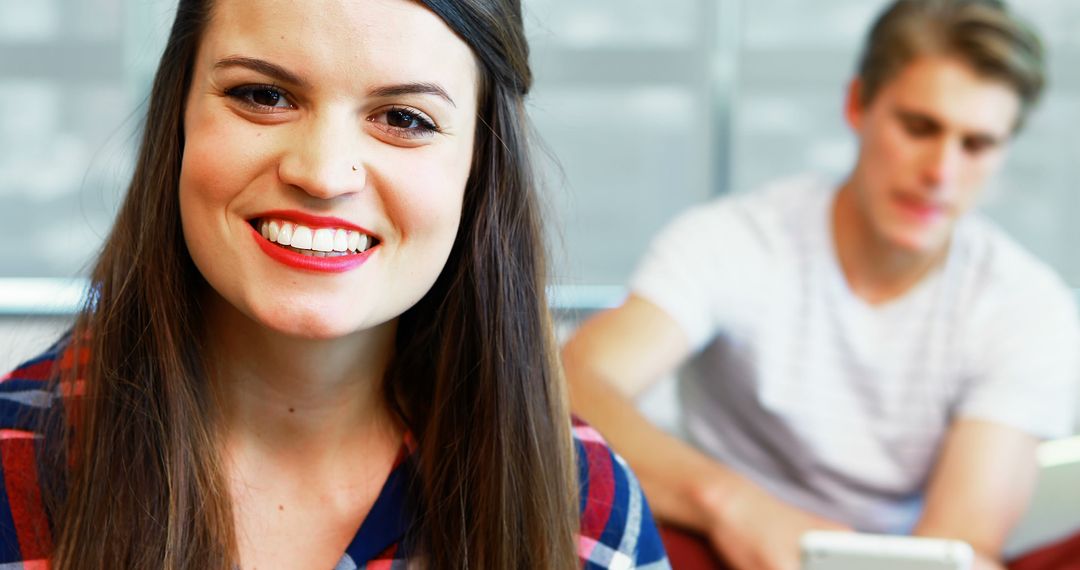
{"points": [[349, 41]]}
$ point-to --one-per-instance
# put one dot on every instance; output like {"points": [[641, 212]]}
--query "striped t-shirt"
{"points": [[835, 405], [617, 529]]}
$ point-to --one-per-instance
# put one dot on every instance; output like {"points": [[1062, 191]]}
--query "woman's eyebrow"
{"points": [[264, 67], [419, 88], [281, 74]]}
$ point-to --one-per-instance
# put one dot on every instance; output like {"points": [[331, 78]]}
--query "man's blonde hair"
{"points": [[985, 34]]}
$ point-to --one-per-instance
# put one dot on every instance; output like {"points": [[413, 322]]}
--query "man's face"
{"points": [[928, 142]]}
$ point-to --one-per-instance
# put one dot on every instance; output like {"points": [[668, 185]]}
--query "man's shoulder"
{"points": [[778, 196], [798, 188], [999, 266], [757, 217]]}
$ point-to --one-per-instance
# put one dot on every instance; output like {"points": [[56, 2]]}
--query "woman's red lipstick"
{"points": [[311, 220], [281, 254]]}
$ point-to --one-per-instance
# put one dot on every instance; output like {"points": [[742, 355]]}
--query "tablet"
{"points": [[822, 550]]}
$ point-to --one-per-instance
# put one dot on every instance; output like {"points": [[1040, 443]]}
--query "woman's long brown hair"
{"points": [[137, 481]]}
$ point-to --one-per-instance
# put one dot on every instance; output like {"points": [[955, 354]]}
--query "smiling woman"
{"points": [[275, 124], [317, 334]]}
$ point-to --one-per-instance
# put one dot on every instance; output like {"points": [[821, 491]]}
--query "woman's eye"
{"points": [[405, 122], [260, 96], [402, 119]]}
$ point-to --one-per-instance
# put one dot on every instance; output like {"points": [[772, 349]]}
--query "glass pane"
{"points": [[626, 161], [66, 154], [778, 135], [61, 20], [22, 21], [771, 24], [73, 72], [612, 23], [100, 20]]}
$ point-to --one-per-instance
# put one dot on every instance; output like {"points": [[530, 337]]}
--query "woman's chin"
{"points": [[311, 322], [316, 327]]}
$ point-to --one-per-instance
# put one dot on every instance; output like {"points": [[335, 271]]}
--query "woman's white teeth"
{"points": [[284, 236], [341, 240], [301, 237], [322, 242]]}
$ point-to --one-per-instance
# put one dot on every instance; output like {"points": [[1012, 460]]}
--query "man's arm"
{"points": [[613, 357], [980, 487]]}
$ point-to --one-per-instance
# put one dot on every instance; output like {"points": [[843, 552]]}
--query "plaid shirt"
{"points": [[617, 529]]}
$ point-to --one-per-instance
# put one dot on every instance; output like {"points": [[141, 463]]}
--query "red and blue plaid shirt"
{"points": [[617, 529]]}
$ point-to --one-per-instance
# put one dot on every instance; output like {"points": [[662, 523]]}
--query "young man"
{"points": [[865, 354]]}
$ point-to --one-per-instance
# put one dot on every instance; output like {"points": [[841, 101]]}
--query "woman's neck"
{"points": [[296, 395], [307, 441]]}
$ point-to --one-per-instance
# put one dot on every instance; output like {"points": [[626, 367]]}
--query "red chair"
{"points": [[689, 551], [1063, 555]]}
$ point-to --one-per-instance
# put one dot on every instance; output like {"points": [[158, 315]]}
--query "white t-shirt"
{"points": [[835, 405]]}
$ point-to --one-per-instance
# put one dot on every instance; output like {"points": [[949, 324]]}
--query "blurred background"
{"points": [[641, 108], [651, 106]]}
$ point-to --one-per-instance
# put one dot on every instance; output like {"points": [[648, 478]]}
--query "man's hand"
{"points": [[755, 531]]}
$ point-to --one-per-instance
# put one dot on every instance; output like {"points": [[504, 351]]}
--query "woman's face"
{"points": [[328, 143]]}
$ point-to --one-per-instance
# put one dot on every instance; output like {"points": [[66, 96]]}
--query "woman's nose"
{"points": [[324, 158]]}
